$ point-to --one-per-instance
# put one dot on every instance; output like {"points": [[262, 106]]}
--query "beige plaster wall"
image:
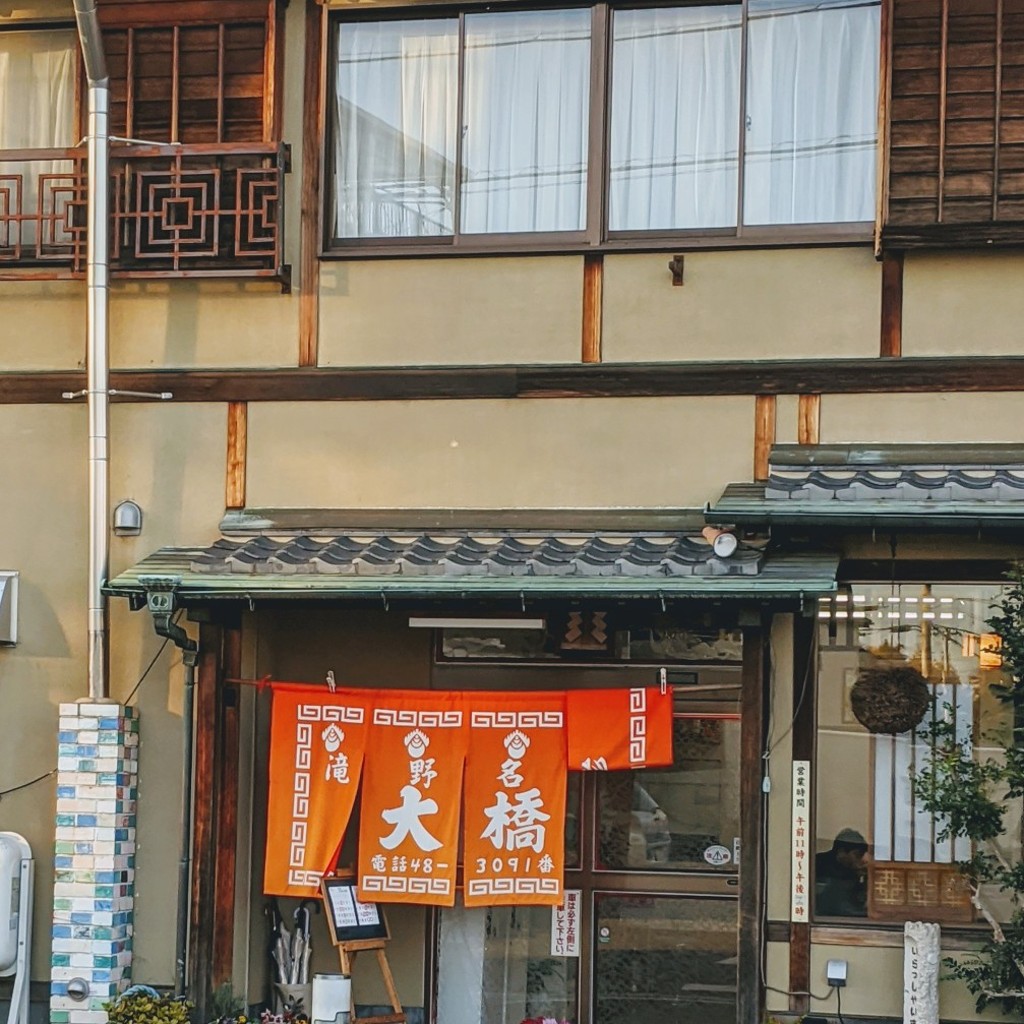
{"points": [[42, 326], [962, 304], [754, 304], [171, 460], [451, 311], [945, 418], [498, 454], [43, 536]]}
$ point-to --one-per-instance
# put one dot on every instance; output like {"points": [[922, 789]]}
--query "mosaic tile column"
{"points": [[94, 877]]}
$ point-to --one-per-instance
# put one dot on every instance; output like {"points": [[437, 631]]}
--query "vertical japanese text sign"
{"points": [[408, 832], [317, 741], [800, 879], [514, 816]]}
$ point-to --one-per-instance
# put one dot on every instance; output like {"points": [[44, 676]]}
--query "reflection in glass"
{"points": [[678, 818], [527, 98], [495, 967], [675, 111], [865, 791], [812, 90], [395, 124], [664, 960]]}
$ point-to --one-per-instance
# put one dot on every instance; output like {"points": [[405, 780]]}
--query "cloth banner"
{"points": [[514, 814], [409, 822], [317, 742], [611, 730]]}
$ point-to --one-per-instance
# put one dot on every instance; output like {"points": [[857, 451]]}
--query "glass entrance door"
{"points": [[655, 856]]}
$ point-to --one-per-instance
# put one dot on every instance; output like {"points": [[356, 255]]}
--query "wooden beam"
{"points": [[804, 695], [204, 814], [809, 419], [764, 433], [750, 995], [226, 841], [310, 218], [884, 123], [810, 378], [234, 487], [593, 306], [892, 304]]}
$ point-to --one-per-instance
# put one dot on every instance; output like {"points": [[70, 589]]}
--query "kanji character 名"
{"points": [[406, 820], [378, 862], [516, 826]]}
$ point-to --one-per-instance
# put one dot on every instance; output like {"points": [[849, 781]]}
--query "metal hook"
{"points": [[661, 597], [331, 684], [384, 598], [522, 600], [663, 680]]}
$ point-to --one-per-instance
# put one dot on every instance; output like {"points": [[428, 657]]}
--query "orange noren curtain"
{"points": [[610, 730], [317, 741], [514, 813], [409, 823]]}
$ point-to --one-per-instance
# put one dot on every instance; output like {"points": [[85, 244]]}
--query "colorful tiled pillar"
{"points": [[94, 877]]}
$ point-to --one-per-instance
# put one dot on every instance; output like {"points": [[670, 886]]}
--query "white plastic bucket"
{"points": [[332, 999]]}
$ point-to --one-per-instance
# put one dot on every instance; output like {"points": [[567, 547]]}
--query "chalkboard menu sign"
{"points": [[348, 919]]}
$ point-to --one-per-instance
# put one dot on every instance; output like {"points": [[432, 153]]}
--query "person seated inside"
{"points": [[840, 877]]}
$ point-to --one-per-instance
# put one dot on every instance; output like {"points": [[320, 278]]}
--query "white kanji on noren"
{"points": [[406, 819], [517, 826]]}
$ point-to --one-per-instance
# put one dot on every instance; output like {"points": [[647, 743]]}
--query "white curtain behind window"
{"points": [[527, 102], [395, 123], [37, 111], [675, 118], [812, 91]]}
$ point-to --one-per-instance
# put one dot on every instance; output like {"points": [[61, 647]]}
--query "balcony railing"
{"points": [[175, 211]]}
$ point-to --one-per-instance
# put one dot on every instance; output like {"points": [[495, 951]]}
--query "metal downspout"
{"points": [[97, 337]]}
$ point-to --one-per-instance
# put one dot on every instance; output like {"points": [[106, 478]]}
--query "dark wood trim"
{"points": [[310, 215], [915, 375], [892, 305], [756, 673], [204, 814], [593, 307], [765, 418], [808, 428], [884, 122], [227, 810], [804, 697], [237, 455]]}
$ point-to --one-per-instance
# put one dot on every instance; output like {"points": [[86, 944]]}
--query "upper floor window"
{"points": [[594, 123], [37, 89]]}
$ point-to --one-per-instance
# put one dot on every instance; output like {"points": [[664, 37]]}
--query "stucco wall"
{"points": [[498, 454], [756, 304], [962, 304], [423, 312]]}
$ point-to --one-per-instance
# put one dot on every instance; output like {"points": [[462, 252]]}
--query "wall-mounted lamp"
{"points": [[723, 542], [127, 519]]}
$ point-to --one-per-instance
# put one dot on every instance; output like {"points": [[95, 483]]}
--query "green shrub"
{"points": [[148, 1007]]}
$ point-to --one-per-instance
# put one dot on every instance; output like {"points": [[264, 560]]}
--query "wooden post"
{"points": [[593, 286], [750, 995], [311, 223], [234, 486], [809, 419], [347, 956], [892, 304], [764, 433]]}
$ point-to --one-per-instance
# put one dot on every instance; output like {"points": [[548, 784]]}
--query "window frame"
{"points": [[595, 236], [974, 574]]}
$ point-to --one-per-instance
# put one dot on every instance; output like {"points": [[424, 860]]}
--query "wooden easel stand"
{"points": [[347, 955]]}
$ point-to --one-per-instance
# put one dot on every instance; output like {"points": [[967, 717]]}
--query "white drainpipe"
{"points": [[98, 330]]}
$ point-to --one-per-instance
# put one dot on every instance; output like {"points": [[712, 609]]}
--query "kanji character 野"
{"points": [[406, 820]]}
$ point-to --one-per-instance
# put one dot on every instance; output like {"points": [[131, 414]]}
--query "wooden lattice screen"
{"points": [[955, 123], [195, 73]]}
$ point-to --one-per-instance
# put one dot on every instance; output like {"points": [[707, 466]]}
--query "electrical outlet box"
{"points": [[835, 973], [8, 608]]}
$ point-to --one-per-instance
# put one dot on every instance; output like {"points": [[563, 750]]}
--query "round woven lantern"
{"points": [[890, 699]]}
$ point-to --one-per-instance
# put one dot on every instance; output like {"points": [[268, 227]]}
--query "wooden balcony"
{"points": [[175, 211]]}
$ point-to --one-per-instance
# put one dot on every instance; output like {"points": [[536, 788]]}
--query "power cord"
{"points": [[135, 689]]}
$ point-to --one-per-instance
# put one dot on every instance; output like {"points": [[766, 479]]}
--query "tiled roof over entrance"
{"points": [[910, 485]]}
